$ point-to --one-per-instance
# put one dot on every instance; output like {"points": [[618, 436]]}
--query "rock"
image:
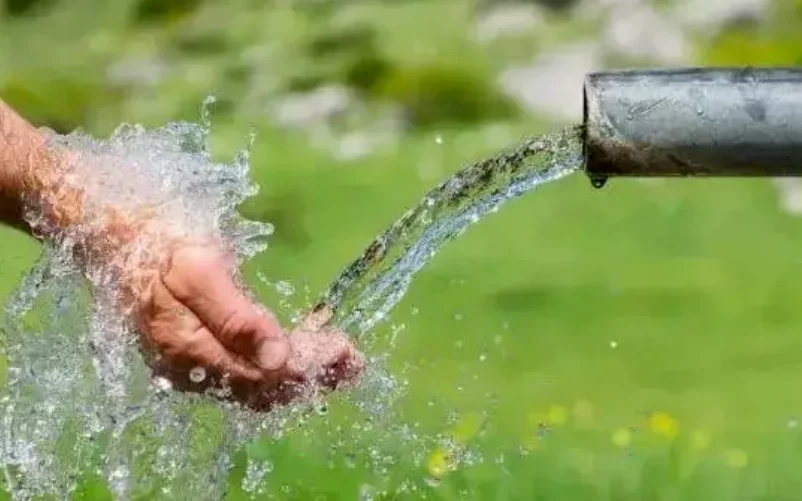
{"points": [[313, 108], [507, 20], [355, 145], [359, 133], [635, 29], [137, 72], [711, 14], [553, 83]]}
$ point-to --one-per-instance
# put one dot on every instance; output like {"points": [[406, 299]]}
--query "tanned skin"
{"points": [[184, 302]]}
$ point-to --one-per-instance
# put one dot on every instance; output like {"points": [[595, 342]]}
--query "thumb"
{"points": [[316, 319], [202, 279]]}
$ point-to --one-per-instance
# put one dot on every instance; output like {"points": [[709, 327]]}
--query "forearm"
{"points": [[19, 144], [32, 172], [43, 191]]}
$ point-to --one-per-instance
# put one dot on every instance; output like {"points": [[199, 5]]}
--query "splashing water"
{"points": [[80, 402], [79, 399], [372, 285]]}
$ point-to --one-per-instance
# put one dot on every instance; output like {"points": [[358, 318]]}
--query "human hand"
{"points": [[180, 294], [204, 333]]}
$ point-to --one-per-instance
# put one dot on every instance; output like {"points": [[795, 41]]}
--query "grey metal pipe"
{"points": [[719, 122]]}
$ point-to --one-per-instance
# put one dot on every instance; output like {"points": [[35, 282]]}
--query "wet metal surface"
{"points": [[720, 122]]}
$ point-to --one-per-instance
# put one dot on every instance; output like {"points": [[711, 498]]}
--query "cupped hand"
{"points": [[205, 333]]}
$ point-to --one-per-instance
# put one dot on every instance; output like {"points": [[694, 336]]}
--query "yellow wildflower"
{"points": [[438, 463], [664, 425]]}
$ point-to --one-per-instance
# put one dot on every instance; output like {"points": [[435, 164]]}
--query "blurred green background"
{"points": [[638, 342]]}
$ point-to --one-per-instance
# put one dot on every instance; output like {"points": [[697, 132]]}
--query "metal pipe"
{"points": [[721, 122]]}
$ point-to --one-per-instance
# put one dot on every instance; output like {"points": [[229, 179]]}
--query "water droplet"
{"points": [[415, 310], [350, 460], [162, 384], [285, 288], [613, 344], [255, 473], [432, 481], [366, 493], [457, 316], [598, 182], [438, 139], [197, 375], [482, 357], [793, 423]]}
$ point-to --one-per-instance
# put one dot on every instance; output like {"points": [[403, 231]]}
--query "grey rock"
{"points": [[507, 20], [137, 71], [312, 108], [711, 14], [637, 30], [552, 84]]}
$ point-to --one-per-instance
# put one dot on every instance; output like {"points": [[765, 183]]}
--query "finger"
{"points": [[197, 362], [323, 357], [346, 370], [203, 280], [316, 320], [343, 365], [201, 349]]}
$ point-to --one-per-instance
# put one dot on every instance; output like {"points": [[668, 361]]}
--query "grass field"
{"points": [[582, 310], [637, 342]]}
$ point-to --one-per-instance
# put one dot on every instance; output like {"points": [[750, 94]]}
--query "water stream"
{"points": [[369, 288], [79, 402]]}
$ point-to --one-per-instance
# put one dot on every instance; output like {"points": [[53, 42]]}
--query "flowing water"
{"points": [[79, 404], [372, 285]]}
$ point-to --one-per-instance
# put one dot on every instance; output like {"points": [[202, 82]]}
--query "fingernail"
{"points": [[272, 354]]}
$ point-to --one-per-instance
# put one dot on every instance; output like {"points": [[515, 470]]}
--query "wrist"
{"points": [[19, 145], [123, 253], [33, 174]]}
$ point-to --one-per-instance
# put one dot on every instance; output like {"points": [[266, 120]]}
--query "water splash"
{"points": [[371, 286], [80, 402]]}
